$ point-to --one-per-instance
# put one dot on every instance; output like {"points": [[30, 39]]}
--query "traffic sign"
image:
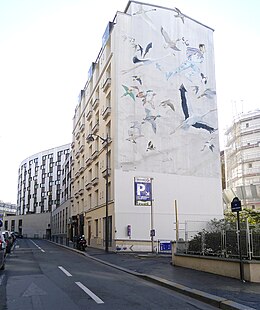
{"points": [[236, 205]]}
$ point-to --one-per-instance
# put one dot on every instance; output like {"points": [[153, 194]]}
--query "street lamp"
{"points": [[90, 138]]}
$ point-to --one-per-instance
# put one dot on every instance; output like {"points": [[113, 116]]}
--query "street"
{"points": [[40, 275]]}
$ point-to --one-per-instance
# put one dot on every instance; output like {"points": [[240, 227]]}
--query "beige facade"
{"points": [[93, 116], [30, 225]]}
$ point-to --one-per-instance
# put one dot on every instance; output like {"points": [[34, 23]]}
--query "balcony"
{"points": [[106, 112], [88, 186], [77, 154], [106, 84], [104, 172], [81, 169], [94, 155], [76, 195], [72, 144], [95, 103], [77, 135], [95, 128], [89, 161], [77, 174], [82, 127], [95, 181], [82, 148], [81, 191], [89, 114], [72, 162]]}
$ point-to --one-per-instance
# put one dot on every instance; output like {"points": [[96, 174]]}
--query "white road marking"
{"points": [[65, 271], [37, 246], [90, 294]]}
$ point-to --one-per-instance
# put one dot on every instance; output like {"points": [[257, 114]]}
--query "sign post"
{"points": [[143, 197], [236, 207]]}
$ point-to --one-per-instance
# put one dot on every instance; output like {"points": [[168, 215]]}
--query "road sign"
{"points": [[236, 205], [143, 191]]}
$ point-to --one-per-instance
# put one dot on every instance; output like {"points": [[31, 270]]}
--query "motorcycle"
{"points": [[81, 244]]}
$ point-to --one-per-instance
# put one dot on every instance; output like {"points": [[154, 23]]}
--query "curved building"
{"points": [[39, 181], [242, 156]]}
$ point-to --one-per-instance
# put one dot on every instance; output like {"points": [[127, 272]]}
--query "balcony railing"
{"points": [[104, 172], [95, 103], [95, 181], [106, 84], [88, 185], [106, 112], [89, 114]]}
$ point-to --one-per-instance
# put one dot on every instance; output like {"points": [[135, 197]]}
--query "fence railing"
{"points": [[224, 243]]}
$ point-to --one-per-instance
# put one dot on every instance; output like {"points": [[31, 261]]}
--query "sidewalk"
{"points": [[226, 293]]}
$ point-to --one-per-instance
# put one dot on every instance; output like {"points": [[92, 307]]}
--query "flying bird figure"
{"points": [[143, 14], [196, 89], [136, 127], [150, 146], [151, 119], [132, 136], [208, 93], [137, 78], [204, 79], [128, 92], [169, 42], [148, 98], [179, 14], [195, 121], [167, 103], [147, 49], [208, 144]]}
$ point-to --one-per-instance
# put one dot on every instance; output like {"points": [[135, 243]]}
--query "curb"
{"points": [[213, 300]]}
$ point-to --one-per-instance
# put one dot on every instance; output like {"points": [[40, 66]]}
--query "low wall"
{"points": [[221, 266]]}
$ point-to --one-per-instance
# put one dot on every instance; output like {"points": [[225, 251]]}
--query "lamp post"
{"points": [[90, 138]]}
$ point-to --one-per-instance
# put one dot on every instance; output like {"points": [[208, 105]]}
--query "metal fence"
{"points": [[224, 243]]}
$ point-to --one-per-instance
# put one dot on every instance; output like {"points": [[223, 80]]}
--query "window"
{"points": [[96, 227], [247, 125]]}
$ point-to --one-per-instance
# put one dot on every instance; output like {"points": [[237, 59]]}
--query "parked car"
{"points": [[2, 251], [8, 239]]}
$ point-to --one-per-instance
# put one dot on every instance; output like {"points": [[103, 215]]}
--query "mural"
{"points": [[167, 103]]}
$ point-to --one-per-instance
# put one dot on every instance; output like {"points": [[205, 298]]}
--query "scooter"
{"points": [[81, 244]]}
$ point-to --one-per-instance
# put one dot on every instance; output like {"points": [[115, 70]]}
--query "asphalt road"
{"points": [[40, 275]]}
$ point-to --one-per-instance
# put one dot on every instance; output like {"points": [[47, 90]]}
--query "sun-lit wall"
{"points": [[167, 126]]}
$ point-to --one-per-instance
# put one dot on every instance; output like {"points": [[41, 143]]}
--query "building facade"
{"points": [[61, 216], [39, 181], [150, 105], [242, 160]]}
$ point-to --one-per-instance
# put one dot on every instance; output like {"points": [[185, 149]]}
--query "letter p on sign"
{"points": [[140, 188]]}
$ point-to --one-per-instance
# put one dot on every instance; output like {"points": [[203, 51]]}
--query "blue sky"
{"points": [[47, 47]]}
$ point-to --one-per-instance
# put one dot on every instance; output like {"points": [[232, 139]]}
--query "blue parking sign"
{"points": [[143, 191]]}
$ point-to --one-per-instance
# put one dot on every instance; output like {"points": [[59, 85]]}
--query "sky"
{"points": [[47, 47]]}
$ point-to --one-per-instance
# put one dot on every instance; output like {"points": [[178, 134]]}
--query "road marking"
{"points": [[65, 271], [37, 246], [90, 294]]}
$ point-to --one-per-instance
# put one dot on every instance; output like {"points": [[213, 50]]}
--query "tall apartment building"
{"points": [[242, 159], [39, 181], [150, 105]]}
